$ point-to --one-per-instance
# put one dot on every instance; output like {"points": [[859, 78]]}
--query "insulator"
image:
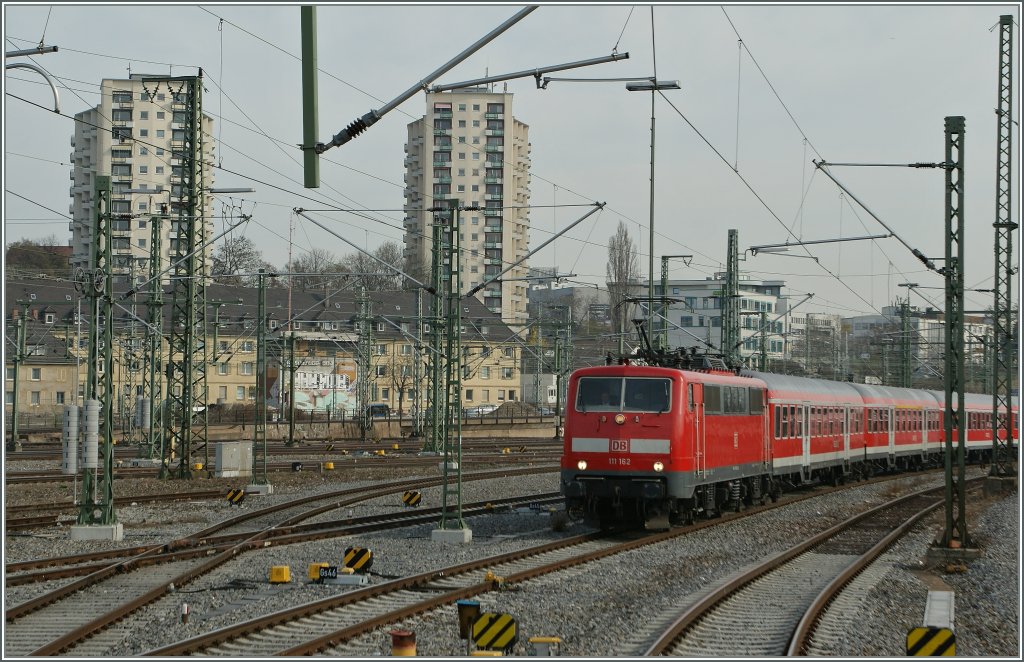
{"points": [[355, 128], [91, 438]]}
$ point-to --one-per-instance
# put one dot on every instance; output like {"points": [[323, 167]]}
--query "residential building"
{"points": [[136, 136], [469, 147]]}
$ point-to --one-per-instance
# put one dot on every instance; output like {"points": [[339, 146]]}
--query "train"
{"points": [[656, 445]]}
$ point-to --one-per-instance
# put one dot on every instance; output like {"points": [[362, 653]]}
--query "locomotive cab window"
{"points": [[617, 394]]}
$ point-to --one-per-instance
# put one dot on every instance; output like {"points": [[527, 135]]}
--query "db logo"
{"points": [[620, 445]]}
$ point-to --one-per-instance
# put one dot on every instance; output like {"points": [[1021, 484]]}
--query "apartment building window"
{"points": [[686, 321], [247, 367], [462, 139], [461, 188], [37, 374], [59, 397], [476, 106], [143, 151], [159, 150], [462, 107], [121, 169], [121, 133], [119, 115], [485, 395], [462, 124], [142, 243], [248, 345], [510, 352], [511, 394], [496, 108], [124, 97], [476, 156], [160, 133], [501, 395], [485, 372], [381, 370], [10, 372], [506, 373], [222, 393], [239, 393], [476, 187], [476, 122], [159, 170], [161, 96], [142, 206], [144, 133], [382, 350], [34, 398], [222, 368], [462, 172], [159, 114], [385, 393], [476, 140], [252, 392], [222, 345], [462, 156], [469, 395], [9, 399], [50, 318], [143, 170], [144, 115], [406, 350]]}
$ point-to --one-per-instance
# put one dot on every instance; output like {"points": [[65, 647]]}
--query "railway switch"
{"points": [[359, 559], [280, 574]]}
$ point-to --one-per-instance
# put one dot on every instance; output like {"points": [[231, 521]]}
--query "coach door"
{"points": [[805, 438], [891, 423], [846, 439]]}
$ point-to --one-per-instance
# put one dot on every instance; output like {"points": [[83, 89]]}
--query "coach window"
{"points": [[689, 396], [712, 399], [778, 423]]}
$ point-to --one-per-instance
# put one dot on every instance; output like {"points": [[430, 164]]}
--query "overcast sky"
{"points": [[859, 83]]}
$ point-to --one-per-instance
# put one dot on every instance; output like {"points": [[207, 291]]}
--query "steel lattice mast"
{"points": [[97, 503], [731, 303], [1002, 310], [186, 370], [437, 408], [152, 388], [953, 423], [453, 372]]}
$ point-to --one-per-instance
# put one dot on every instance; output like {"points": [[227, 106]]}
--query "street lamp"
{"points": [[653, 86]]}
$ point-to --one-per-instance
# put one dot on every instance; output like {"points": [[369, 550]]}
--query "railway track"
{"points": [[30, 626], [341, 463], [772, 608]]}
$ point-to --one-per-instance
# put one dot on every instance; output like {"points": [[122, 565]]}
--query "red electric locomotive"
{"points": [[660, 445]]}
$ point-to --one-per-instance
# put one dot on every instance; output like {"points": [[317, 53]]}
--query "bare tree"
{"points": [[377, 277], [315, 261], [623, 271], [235, 257]]}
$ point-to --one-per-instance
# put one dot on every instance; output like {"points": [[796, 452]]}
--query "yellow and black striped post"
{"points": [[236, 496], [931, 642], [358, 558], [412, 499], [495, 632]]}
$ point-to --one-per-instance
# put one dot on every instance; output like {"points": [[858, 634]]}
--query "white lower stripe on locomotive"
{"points": [[589, 445], [649, 446]]}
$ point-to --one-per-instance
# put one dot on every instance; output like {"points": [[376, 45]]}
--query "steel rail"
{"points": [[712, 599]]}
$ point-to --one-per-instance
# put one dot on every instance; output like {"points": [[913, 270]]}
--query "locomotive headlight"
{"points": [[659, 467], [582, 465]]}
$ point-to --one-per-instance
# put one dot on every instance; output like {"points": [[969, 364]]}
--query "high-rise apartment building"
{"points": [[469, 147], [136, 136]]}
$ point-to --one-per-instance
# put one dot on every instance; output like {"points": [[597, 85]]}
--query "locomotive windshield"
{"points": [[618, 394]]}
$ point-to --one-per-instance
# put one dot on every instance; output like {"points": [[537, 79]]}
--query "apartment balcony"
{"points": [[442, 180], [492, 212], [491, 228], [442, 148], [494, 148], [494, 196], [495, 309], [492, 261], [494, 132], [492, 244], [442, 132], [442, 113], [494, 116], [442, 164]]}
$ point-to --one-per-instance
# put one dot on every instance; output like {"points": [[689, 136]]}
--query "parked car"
{"points": [[481, 410]]}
